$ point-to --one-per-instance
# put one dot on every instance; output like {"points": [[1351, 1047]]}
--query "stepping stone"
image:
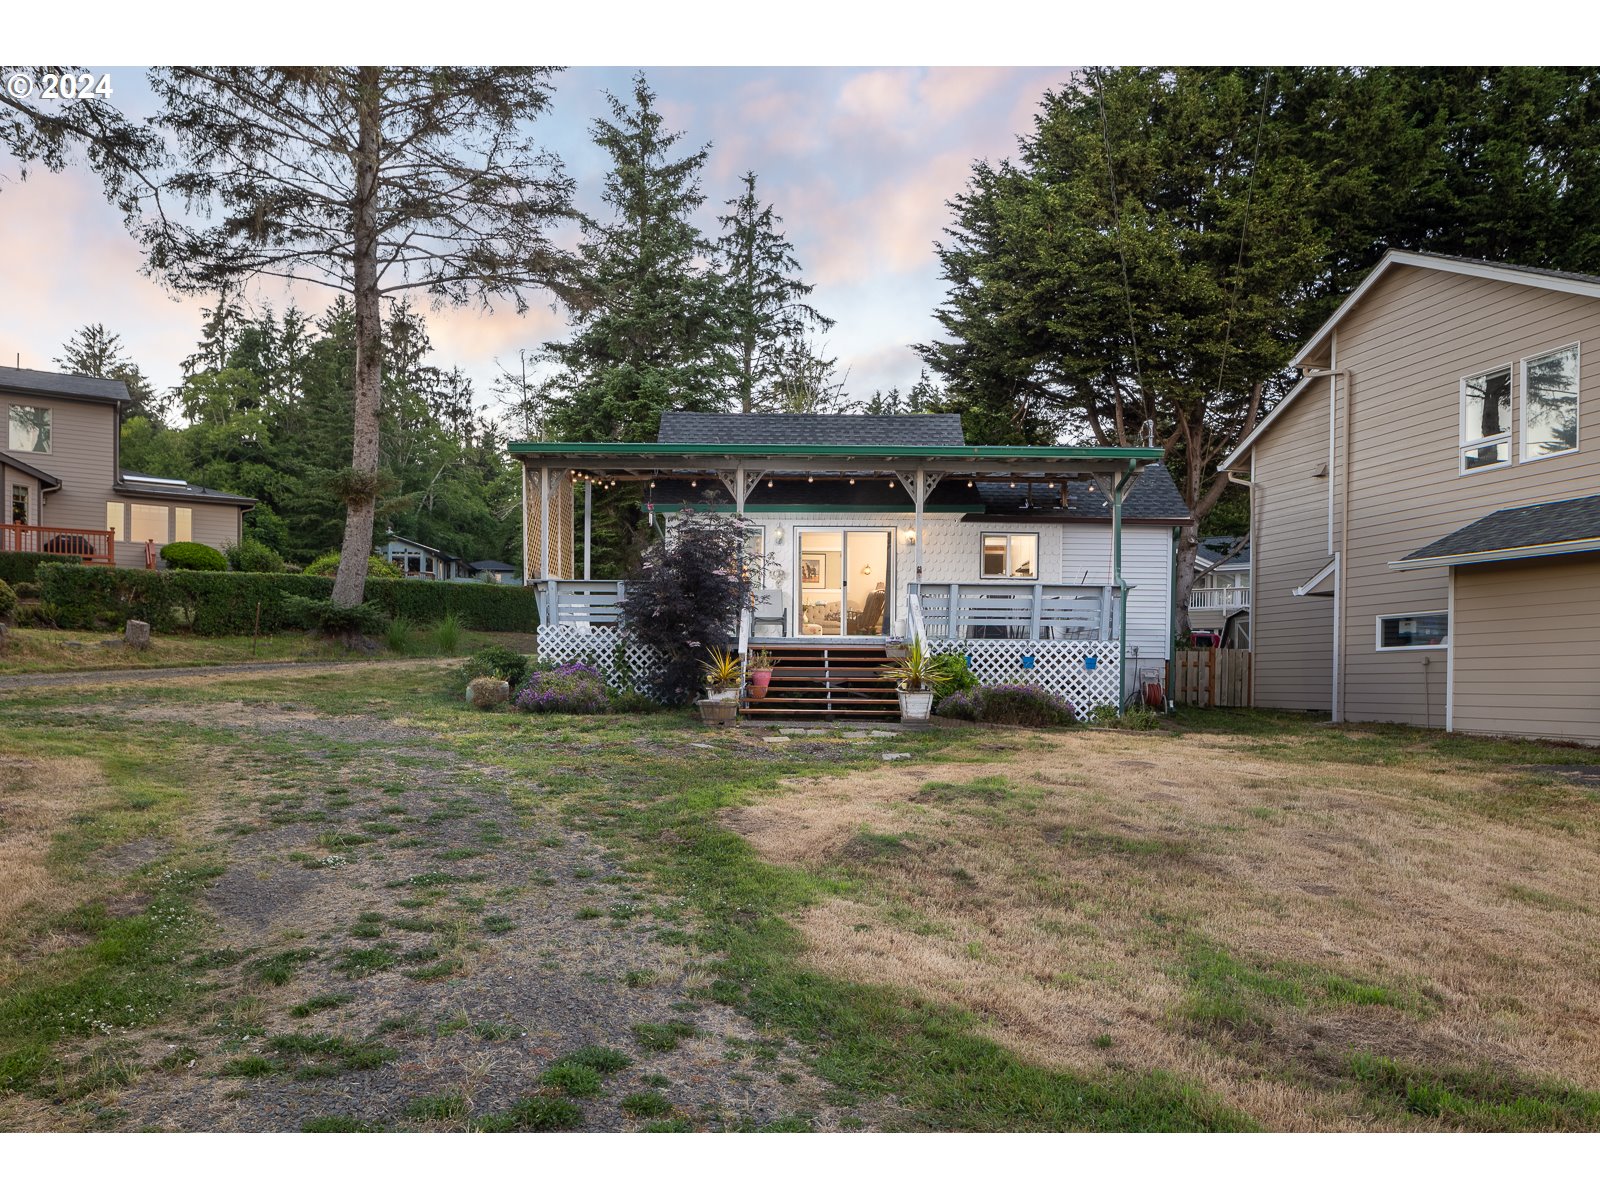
{"points": [[894, 757], [856, 733], [702, 745], [885, 733], [779, 740]]}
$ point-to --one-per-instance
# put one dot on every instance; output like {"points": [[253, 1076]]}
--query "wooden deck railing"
{"points": [[91, 545], [1219, 597], [1018, 610], [579, 601]]}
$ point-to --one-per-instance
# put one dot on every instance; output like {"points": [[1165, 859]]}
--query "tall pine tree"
{"points": [[767, 309], [656, 334]]}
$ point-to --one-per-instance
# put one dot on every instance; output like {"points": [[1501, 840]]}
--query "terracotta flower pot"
{"points": [[759, 682]]}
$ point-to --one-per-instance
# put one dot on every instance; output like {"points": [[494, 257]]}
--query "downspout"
{"points": [[1340, 555], [1122, 590], [1172, 618]]}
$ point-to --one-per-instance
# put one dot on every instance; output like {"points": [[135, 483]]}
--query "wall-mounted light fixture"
{"points": [[911, 537], [777, 536]]}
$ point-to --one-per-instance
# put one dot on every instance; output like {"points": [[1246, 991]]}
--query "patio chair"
{"points": [[772, 615]]}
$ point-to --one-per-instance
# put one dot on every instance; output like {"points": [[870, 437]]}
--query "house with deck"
{"points": [[1050, 564], [1219, 597], [1426, 505], [64, 488]]}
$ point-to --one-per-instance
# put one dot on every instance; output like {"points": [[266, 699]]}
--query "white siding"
{"points": [[1147, 568]]}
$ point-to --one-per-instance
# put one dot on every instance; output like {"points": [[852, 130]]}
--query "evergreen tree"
{"points": [[767, 310], [94, 350], [655, 336], [799, 379]]}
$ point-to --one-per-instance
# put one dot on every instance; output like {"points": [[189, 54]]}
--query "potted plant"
{"points": [[721, 705], [758, 667], [915, 678]]}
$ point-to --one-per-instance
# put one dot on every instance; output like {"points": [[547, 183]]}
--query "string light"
{"points": [[769, 483], [852, 483], [811, 478], [969, 483], [891, 483]]}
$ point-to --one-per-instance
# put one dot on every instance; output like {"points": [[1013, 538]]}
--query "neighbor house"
{"points": [[1425, 516], [1052, 564], [415, 560], [64, 488], [1219, 597]]}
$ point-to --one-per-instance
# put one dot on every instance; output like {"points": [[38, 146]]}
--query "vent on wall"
{"points": [[1321, 472]]}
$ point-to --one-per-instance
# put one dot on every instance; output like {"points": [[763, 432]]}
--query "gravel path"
{"points": [[68, 678], [445, 936]]}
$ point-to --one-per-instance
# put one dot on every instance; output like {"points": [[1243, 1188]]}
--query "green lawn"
{"points": [[602, 859]]}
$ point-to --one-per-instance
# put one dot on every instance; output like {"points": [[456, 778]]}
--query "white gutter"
{"points": [[1507, 554]]}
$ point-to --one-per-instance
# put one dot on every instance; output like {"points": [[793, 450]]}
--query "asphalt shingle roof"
{"points": [[1211, 549], [57, 383], [821, 429], [1514, 528]]}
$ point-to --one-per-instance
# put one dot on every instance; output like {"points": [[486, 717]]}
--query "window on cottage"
{"points": [[19, 504], [29, 429], [1550, 403], [1486, 420], [116, 522], [183, 524], [147, 523], [1010, 556], [1413, 631]]}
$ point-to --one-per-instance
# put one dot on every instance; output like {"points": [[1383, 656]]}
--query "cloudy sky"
{"points": [[858, 161]]}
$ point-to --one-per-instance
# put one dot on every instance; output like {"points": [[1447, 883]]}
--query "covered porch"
{"points": [[860, 576]]}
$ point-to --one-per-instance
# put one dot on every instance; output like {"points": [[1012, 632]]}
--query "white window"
{"points": [[116, 522], [1414, 631], [1486, 420], [1010, 556], [147, 523], [183, 525], [29, 429], [1550, 403]]}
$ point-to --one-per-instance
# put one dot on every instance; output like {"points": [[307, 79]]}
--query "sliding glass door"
{"points": [[842, 584]]}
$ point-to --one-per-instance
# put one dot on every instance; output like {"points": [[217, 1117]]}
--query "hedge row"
{"points": [[23, 568], [213, 603]]}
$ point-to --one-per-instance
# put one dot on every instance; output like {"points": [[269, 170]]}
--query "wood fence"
{"points": [[1213, 678]]}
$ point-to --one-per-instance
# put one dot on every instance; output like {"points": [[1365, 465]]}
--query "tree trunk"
{"points": [[1188, 546], [350, 584]]}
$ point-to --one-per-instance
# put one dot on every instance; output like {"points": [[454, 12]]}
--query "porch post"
{"points": [[544, 522], [1122, 592], [921, 489], [738, 490], [588, 500], [527, 550]]}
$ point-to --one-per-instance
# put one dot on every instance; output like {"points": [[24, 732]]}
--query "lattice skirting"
{"points": [[1086, 673], [620, 662]]}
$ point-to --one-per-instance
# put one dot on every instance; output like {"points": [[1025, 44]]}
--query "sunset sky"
{"points": [[859, 162]]}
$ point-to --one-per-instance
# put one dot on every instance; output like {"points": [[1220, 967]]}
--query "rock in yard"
{"points": [[488, 692], [894, 757], [778, 740], [137, 635], [885, 733]]}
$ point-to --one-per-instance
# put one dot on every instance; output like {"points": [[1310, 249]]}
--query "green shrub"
{"points": [[377, 568], [8, 601], [328, 619], [1008, 704], [496, 662], [192, 556], [251, 555], [398, 634], [958, 677], [213, 603], [23, 568], [447, 633]]}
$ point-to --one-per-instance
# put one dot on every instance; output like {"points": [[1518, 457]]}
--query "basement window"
{"points": [[1486, 420], [1414, 631]]}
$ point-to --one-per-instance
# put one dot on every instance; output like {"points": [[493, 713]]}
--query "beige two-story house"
{"points": [[64, 489], [1426, 505]]}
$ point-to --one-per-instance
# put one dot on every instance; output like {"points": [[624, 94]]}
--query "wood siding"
{"points": [[1527, 648], [1292, 636], [1406, 348]]}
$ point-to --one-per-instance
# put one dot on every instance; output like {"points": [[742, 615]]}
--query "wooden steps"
{"points": [[821, 682]]}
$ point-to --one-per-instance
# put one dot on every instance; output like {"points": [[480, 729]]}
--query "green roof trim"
{"points": [[904, 509], [731, 450]]}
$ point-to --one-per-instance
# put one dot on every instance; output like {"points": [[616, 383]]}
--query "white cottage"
{"points": [[1052, 564]]}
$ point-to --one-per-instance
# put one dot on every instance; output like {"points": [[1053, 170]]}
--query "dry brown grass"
{"points": [[1056, 907], [38, 795]]}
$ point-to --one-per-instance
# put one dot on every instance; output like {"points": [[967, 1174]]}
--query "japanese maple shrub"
{"points": [[686, 598]]}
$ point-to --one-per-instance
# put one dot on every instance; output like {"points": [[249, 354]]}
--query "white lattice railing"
{"points": [[1018, 611], [1087, 673]]}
